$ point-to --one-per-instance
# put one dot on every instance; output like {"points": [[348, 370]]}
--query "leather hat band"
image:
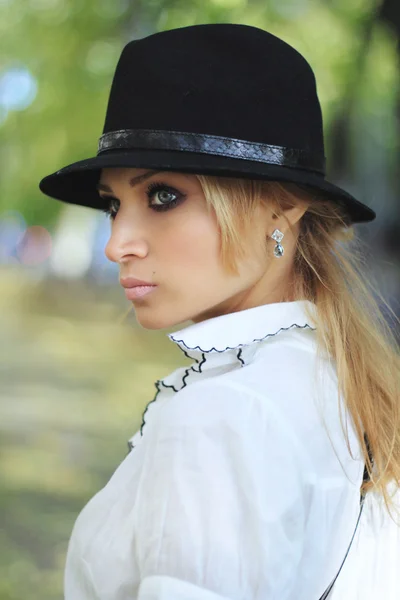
{"points": [[158, 139]]}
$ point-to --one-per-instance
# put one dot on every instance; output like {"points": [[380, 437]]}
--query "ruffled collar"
{"points": [[243, 328], [227, 342]]}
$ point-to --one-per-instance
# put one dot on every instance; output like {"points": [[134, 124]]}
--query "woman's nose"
{"points": [[124, 244]]}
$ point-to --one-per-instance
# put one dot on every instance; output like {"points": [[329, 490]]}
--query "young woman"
{"points": [[247, 478]]}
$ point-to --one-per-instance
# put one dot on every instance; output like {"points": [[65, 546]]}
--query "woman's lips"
{"points": [[138, 291], [129, 282]]}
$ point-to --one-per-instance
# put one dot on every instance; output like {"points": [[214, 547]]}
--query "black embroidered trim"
{"points": [[200, 363], [239, 354], [242, 345]]}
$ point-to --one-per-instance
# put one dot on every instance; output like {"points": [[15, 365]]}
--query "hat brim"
{"points": [[76, 183]]}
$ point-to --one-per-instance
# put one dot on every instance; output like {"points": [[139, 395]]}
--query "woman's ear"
{"points": [[294, 213], [288, 219]]}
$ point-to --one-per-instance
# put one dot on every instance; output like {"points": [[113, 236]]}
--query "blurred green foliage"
{"points": [[73, 388]]}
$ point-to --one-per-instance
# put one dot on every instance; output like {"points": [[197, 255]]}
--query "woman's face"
{"points": [[176, 248]]}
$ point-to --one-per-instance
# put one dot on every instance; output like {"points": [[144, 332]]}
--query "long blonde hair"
{"points": [[329, 269]]}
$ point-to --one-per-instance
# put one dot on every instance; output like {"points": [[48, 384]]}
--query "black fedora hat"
{"points": [[215, 99]]}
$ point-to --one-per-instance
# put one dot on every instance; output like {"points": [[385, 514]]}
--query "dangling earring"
{"points": [[277, 236]]}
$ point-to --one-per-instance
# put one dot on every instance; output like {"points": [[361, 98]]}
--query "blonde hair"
{"points": [[330, 270]]}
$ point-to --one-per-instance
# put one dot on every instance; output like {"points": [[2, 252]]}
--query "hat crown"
{"points": [[221, 79], [228, 100]]}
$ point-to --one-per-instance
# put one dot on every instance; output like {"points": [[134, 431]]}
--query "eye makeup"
{"points": [[156, 189]]}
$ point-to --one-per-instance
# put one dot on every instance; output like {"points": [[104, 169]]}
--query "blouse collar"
{"points": [[243, 328], [228, 342]]}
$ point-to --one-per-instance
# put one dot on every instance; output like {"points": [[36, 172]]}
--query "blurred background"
{"points": [[74, 376]]}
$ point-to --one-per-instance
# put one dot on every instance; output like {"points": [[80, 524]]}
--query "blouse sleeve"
{"points": [[222, 499]]}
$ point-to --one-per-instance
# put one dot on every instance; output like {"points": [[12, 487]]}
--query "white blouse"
{"points": [[232, 488]]}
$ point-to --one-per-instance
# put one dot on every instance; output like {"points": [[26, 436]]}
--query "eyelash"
{"points": [[152, 189]]}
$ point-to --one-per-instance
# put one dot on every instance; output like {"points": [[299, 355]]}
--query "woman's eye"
{"points": [[110, 212], [167, 196]]}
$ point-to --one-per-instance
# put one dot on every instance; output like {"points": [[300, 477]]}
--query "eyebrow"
{"points": [[132, 182]]}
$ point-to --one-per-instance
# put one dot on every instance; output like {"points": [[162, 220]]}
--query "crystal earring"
{"points": [[277, 236]]}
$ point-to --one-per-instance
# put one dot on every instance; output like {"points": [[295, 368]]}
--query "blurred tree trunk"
{"points": [[339, 135], [389, 12]]}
